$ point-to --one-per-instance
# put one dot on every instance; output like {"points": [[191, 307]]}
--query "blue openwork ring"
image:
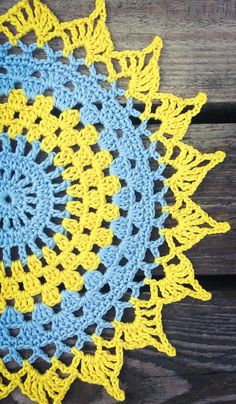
{"points": [[28, 198]]}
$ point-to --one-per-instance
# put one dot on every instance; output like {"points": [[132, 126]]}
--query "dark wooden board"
{"points": [[216, 254], [199, 37], [204, 370], [199, 54]]}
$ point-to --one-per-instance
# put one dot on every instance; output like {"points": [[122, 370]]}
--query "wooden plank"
{"points": [[199, 39], [199, 54], [204, 370], [217, 194]]}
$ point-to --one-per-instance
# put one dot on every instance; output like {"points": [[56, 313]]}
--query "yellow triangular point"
{"points": [[191, 167], [147, 328], [87, 32], [141, 67], [175, 114], [193, 224], [179, 281]]}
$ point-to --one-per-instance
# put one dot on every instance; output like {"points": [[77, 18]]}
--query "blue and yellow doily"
{"points": [[83, 203]]}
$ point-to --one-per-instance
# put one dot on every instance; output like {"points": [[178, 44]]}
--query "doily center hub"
{"points": [[5, 198]]}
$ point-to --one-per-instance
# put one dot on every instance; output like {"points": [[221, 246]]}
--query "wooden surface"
{"points": [[204, 370], [199, 39], [199, 54]]}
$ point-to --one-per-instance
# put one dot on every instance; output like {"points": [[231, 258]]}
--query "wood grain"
{"points": [[217, 195], [204, 370], [216, 254], [199, 55], [199, 37]]}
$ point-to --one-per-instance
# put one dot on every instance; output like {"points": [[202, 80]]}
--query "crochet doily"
{"points": [[84, 212]]}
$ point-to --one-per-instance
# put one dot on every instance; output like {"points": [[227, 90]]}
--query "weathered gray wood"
{"points": [[215, 254], [204, 370], [199, 55], [199, 39], [217, 195]]}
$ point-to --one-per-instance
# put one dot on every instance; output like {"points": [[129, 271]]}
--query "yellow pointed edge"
{"points": [[175, 114]]}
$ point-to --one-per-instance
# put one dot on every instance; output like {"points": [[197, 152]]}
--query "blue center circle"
{"points": [[5, 198], [27, 198]]}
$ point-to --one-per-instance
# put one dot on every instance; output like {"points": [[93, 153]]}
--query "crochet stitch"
{"points": [[83, 203]]}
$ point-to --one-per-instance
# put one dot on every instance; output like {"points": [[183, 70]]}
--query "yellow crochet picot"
{"points": [[37, 122], [190, 167]]}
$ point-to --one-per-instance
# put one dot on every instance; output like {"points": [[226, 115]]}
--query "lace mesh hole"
{"points": [[107, 334], [16, 50], [4, 380], [17, 85], [79, 53], [153, 164], [63, 60], [105, 289], [123, 261], [158, 210], [69, 85], [158, 185], [29, 38], [149, 257], [116, 241], [49, 349], [11, 27], [8, 272], [138, 196], [57, 308], [10, 302], [48, 92], [27, 316], [3, 38], [25, 353], [48, 326], [170, 222], [126, 296], [39, 54], [29, 215], [139, 276], [89, 348], [13, 332], [38, 299], [154, 234], [132, 163], [12, 367], [61, 287], [145, 293], [41, 366], [66, 358], [146, 141], [21, 286], [70, 341], [3, 352], [56, 44], [79, 312], [110, 314], [128, 315], [42, 280], [3, 70]]}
